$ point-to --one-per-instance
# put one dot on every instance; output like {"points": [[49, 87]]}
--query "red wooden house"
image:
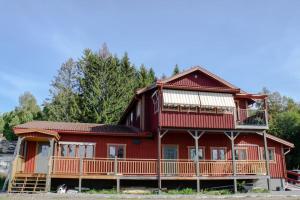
{"points": [[193, 126]]}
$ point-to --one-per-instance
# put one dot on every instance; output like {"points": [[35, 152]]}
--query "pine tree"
{"points": [[176, 70], [63, 104]]}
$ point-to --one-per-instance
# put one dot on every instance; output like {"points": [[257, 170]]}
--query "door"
{"points": [[41, 163], [170, 162]]}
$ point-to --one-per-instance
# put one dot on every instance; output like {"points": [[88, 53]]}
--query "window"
{"points": [[155, 100], [240, 153], [271, 153], [208, 110], [192, 153], [218, 153], [76, 149], [116, 150]]}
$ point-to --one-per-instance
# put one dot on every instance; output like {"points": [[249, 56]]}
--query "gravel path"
{"points": [[272, 196]]}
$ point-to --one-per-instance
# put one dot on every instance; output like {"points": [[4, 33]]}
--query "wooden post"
{"points": [[50, 154], [80, 173], [196, 137], [233, 162], [197, 160], [159, 160], [266, 154], [116, 165], [118, 185]]}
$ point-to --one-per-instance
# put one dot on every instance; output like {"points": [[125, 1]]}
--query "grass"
{"points": [[103, 191], [259, 190], [182, 191], [217, 192]]}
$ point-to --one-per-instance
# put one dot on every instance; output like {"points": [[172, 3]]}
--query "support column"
{"points": [[159, 137], [196, 137], [80, 174], [232, 137], [118, 185], [233, 162], [266, 154], [50, 154], [158, 160]]}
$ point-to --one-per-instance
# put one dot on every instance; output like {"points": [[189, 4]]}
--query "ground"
{"points": [[270, 196]]}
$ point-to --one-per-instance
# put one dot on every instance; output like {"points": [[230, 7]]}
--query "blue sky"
{"points": [[251, 44]]}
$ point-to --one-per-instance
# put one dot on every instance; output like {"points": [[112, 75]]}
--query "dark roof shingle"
{"points": [[79, 127]]}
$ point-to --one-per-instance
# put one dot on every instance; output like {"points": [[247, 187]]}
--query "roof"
{"points": [[201, 69], [277, 139], [78, 127]]}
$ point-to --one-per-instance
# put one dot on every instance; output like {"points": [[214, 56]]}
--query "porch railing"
{"points": [[148, 167], [251, 117]]}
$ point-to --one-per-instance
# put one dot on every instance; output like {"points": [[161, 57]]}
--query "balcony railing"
{"points": [[148, 167], [251, 118]]}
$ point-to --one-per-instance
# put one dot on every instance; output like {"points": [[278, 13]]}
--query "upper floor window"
{"points": [[155, 100], [218, 153], [118, 150]]}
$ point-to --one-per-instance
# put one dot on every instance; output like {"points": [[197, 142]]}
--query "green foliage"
{"points": [[217, 192], [63, 104], [284, 122], [103, 191], [96, 88], [2, 179], [26, 111], [259, 190], [182, 191], [176, 70]]}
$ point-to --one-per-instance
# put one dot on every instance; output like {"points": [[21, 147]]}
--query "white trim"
{"points": [[78, 143]]}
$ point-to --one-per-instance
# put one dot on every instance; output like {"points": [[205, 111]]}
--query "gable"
{"points": [[197, 79]]}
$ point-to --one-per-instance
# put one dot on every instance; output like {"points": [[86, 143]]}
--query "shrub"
{"points": [[182, 191]]}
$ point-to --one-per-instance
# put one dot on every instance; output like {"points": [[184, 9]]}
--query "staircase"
{"points": [[35, 183]]}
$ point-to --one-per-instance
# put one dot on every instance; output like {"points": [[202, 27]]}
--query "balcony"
{"points": [[251, 119], [147, 168]]}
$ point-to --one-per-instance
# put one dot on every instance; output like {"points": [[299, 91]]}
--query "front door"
{"points": [[170, 163], [41, 163]]}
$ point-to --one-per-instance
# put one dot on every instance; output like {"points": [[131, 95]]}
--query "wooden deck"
{"points": [[103, 168]]}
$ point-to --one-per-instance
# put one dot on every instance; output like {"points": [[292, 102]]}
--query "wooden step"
{"points": [[28, 184]]}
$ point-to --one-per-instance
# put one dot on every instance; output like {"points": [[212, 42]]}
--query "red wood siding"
{"points": [[147, 148], [30, 157], [196, 120], [151, 118], [252, 142], [202, 80]]}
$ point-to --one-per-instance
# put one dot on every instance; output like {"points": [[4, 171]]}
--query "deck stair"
{"points": [[28, 184]]}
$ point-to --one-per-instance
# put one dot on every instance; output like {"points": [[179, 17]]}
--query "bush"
{"points": [[217, 192], [2, 179], [182, 191], [259, 190], [104, 191]]}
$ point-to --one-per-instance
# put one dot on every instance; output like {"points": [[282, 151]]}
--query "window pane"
{"points": [[89, 151], [215, 154], [112, 151], [64, 150], [121, 152], [72, 148], [81, 150], [236, 154], [201, 156], [271, 154], [243, 154], [222, 154], [192, 153]]}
